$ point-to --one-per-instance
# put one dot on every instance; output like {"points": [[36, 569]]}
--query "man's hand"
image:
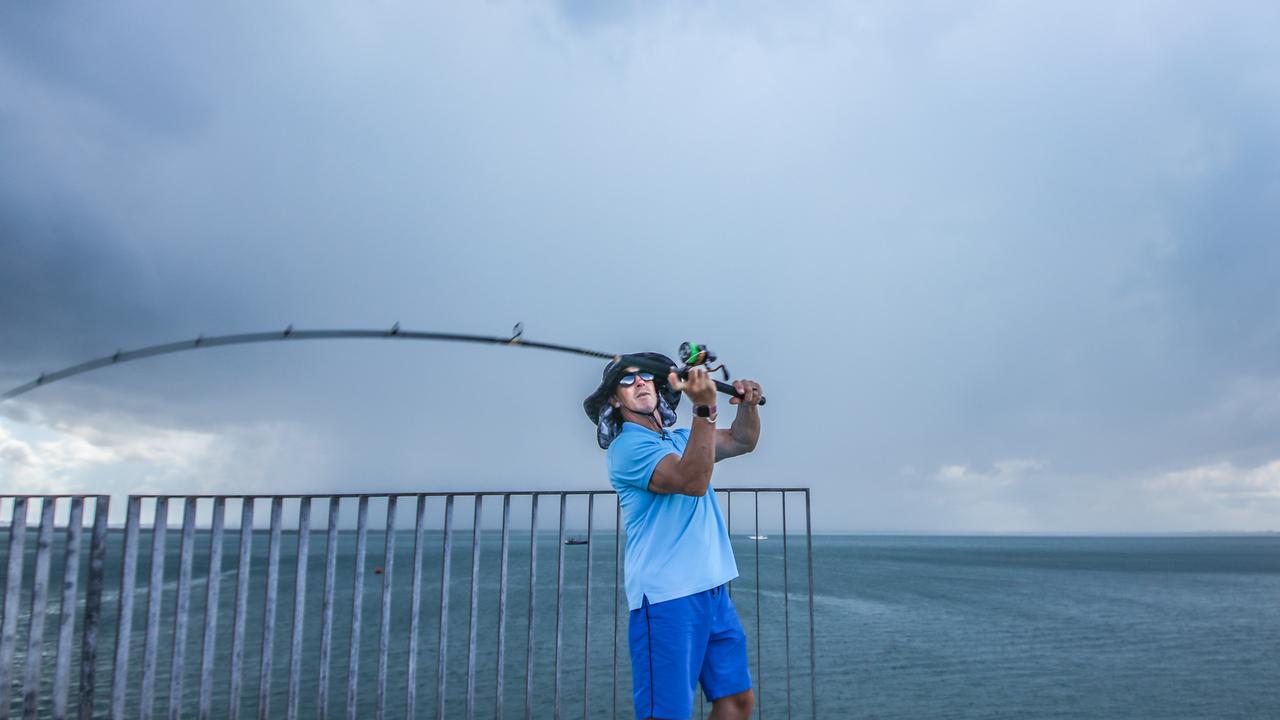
{"points": [[751, 393], [699, 387]]}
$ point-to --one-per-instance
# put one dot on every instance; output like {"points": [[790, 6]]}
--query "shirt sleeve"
{"points": [[633, 457]]}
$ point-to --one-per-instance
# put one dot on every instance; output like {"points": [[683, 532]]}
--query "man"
{"points": [[684, 629]]}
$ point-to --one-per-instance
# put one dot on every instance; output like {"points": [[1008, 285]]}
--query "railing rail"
{"points": [[158, 665]]}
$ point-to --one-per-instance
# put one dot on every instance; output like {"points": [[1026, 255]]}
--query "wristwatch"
{"points": [[705, 411]]}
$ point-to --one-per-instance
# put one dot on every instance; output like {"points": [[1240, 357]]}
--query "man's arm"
{"points": [[690, 474], [742, 436]]}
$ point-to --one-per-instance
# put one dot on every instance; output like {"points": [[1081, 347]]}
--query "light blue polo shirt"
{"points": [[677, 545]]}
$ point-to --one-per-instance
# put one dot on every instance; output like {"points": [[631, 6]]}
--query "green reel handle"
{"points": [[692, 354]]}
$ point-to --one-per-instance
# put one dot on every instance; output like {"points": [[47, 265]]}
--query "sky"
{"points": [[999, 266]]}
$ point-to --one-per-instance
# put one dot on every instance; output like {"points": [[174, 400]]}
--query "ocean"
{"points": [[905, 627], [1060, 627]]}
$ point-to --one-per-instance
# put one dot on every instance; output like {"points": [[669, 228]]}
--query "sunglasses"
{"points": [[629, 380]]}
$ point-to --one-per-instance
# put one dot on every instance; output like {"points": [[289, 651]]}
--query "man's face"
{"points": [[640, 396]]}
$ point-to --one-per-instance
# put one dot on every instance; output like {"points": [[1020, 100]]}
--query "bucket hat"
{"points": [[597, 406]]}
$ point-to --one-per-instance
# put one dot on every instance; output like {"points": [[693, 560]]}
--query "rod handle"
{"points": [[728, 389]]}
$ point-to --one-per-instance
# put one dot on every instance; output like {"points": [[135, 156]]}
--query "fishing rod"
{"points": [[691, 355]]}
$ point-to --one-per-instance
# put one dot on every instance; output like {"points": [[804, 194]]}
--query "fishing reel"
{"points": [[693, 355]]}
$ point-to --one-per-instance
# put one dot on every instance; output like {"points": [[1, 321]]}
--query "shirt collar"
{"points": [[628, 426]]}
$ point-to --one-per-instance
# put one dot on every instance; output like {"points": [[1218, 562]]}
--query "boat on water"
{"points": [[757, 537], [575, 541]]}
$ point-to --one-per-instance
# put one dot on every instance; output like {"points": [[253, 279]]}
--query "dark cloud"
{"points": [[68, 285], [994, 263]]}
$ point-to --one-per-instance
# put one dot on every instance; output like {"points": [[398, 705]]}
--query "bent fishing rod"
{"points": [[691, 354]]}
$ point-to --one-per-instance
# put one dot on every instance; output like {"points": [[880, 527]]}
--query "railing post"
{"points": [[442, 650], [93, 606], [205, 708], [586, 615], [39, 607], [617, 581], [559, 600], [357, 605], [269, 610], [786, 602], [415, 603], [759, 693], [299, 607], [473, 622], [384, 619], [242, 608], [533, 590], [155, 596], [67, 610], [177, 662], [12, 597], [124, 622], [502, 602], [326, 610], [813, 647]]}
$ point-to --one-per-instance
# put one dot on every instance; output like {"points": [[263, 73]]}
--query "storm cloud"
{"points": [[999, 266]]}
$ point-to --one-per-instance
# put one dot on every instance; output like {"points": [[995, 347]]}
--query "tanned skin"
{"points": [[690, 474]]}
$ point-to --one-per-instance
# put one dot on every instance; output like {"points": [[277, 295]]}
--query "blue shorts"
{"points": [[677, 644]]}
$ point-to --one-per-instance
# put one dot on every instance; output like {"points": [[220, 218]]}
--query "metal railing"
{"points": [[159, 667]]}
